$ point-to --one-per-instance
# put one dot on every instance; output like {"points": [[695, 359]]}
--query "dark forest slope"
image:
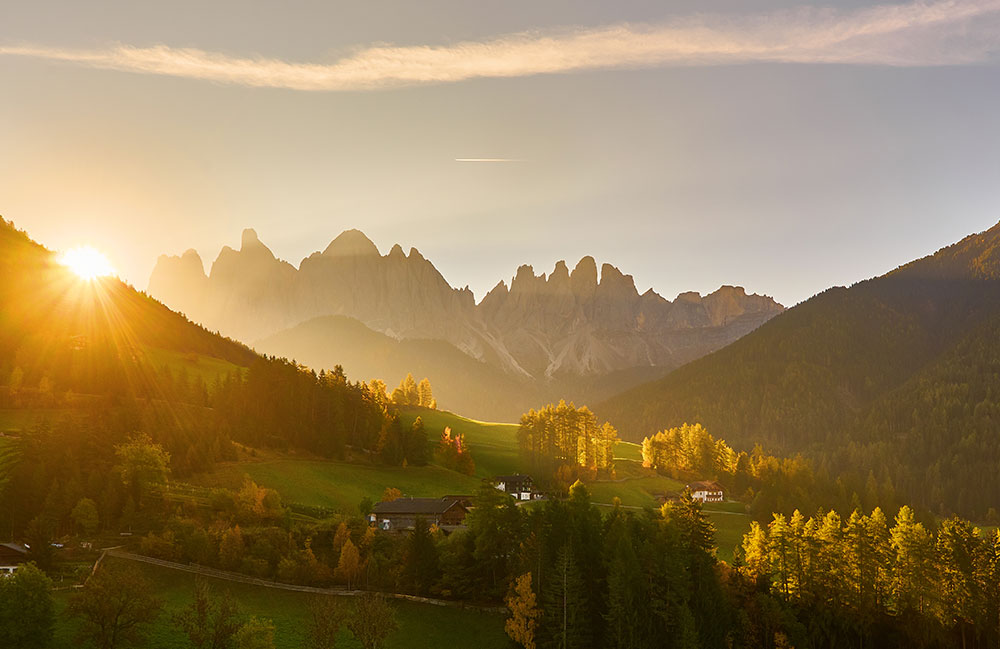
{"points": [[898, 376]]}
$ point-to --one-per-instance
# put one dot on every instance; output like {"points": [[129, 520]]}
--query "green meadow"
{"points": [[16, 420], [420, 625], [207, 368], [494, 446], [338, 485], [343, 485]]}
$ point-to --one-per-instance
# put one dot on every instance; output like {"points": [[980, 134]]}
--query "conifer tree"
{"points": [[913, 548], [420, 558], [410, 391], [564, 605], [425, 395]]}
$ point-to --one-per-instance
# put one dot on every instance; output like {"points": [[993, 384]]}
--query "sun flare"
{"points": [[86, 262]]}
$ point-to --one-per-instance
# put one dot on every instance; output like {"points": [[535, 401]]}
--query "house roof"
{"points": [[517, 477], [13, 552], [416, 506], [705, 485]]}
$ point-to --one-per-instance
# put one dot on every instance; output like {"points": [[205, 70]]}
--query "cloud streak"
{"points": [[947, 32]]}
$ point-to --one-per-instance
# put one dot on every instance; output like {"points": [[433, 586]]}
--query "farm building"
{"points": [[707, 491], [11, 556], [401, 514], [518, 485]]}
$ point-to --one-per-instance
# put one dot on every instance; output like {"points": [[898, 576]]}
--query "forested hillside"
{"points": [[91, 366], [81, 335], [894, 379]]}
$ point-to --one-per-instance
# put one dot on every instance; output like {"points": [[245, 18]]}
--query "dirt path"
{"points": [[254, 581]]}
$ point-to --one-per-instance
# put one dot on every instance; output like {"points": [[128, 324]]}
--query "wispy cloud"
{"points": [[947, 32]]}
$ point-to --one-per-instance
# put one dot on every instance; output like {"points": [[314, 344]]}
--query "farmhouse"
{"points": [[518, 485], [706, 491], [401, 514], [11, 556]]}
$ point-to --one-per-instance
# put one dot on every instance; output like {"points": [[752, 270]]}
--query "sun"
{"points": [[86, 262]]}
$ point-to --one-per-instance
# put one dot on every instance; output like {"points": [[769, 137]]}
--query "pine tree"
{"points": [[409, 386], [859, 565], [416, 443], [959, 549], [420, 559], [756, 556], [913, 550], [564, 604], [425, 395], [780, 552], [625, 579]]}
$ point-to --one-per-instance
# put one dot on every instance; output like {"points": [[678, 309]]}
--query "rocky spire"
{"points": [[351, 243]]}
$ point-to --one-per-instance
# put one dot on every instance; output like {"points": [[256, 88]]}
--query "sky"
{"points": [[782, 146]]}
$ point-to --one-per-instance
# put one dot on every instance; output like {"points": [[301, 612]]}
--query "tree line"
{"points": [[861, 582], [564, 435], [768, 483]]}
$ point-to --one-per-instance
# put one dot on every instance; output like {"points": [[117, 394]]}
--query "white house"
{"points": [[519, 486], [706, 491]]}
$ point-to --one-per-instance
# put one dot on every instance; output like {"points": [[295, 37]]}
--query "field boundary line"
{"points": [[255, 581]]}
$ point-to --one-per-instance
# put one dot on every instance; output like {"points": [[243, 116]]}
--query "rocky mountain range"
{"points": [[571, 327]]}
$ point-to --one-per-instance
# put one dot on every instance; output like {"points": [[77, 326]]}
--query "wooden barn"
{"points": [[401, 514]]}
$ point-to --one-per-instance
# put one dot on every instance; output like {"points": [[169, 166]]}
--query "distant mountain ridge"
{"points": [[540, 330]]}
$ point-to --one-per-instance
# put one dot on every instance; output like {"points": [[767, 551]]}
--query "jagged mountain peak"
{"points": [[614, 279], [581, 322], [585, 271], [351, 243], [688, 296], [249, 239]]}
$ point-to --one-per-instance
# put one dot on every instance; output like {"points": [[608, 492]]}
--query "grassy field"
{"points": [[420, 625], [195, 365], [731, 522], [16, 420], [339, 485], [494, 446], [636, 487], [628, 451]]}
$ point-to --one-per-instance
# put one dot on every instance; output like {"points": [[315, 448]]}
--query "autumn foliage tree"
{"points": [[452, 452], [524, 613], [565, 434], [349, 564]]}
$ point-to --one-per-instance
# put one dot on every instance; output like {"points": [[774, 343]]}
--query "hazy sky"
{"points": [[782, 146]]}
